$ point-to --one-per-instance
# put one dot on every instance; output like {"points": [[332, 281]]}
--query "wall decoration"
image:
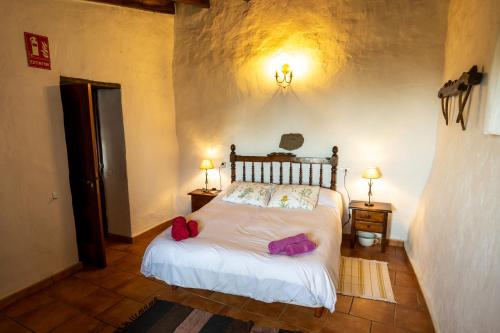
{"points": [[37, 50], [291, 141], [459, 87]]}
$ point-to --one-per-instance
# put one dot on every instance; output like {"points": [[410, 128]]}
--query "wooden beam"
{"points": [[158, 6], [199, 3]]}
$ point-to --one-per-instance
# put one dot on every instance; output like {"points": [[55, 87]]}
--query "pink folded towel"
{"points": [[278, 246], [299, 248]]}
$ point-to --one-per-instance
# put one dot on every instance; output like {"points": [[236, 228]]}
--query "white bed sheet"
{"points": [[230, 254]]}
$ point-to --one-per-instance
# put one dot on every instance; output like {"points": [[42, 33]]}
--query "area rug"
{"points": [[366, 279], [166, 317]]}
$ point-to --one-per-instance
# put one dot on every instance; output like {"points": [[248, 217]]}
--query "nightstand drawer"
{"points": [[367, 226], [369, 216]]}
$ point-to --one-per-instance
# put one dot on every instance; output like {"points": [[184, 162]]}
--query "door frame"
{"points": [[93, 86], [98, 84]]}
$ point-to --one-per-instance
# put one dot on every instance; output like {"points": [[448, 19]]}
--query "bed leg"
{"points": [[318, 312]]}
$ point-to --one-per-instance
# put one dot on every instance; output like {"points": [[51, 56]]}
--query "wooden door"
{"points": [[100, 161], [83, 162]]}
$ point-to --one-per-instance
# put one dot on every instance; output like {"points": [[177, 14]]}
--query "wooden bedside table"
{"points": [[372, 219], [200, 198]]}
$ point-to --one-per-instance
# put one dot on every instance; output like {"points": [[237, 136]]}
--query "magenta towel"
{"points": [[179, 220], [180, 229], [193, 228], [278, 246], [299, 248]]}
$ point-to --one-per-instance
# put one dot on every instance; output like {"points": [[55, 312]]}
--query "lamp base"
{"points": [[205, 190], [367, 204]]}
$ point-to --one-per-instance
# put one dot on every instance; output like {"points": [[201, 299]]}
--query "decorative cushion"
{"points": [[294, 196], [256, 194]]}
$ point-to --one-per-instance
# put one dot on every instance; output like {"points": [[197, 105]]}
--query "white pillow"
{"points": [[330, 198], [295, 196], [256, 194]]}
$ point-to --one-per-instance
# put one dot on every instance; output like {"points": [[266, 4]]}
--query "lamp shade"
{"points": [[371, 173], [206, 165]]}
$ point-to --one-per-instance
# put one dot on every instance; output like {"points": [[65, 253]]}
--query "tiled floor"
{"points": [[100, 300]]}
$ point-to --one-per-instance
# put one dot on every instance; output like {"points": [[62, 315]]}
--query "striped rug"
{"points": [[166, 317], [366, 279]]}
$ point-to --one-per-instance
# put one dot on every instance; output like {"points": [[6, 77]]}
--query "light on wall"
{"points": [[285, 78], [290, 65]]}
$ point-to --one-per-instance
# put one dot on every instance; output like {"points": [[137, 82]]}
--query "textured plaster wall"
{"points": [[365, 79], [454, 239], [98, 42]]}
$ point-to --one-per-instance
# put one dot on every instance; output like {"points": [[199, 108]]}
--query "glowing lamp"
{"points": [[206, 165], [371, 173], [285, 78]]}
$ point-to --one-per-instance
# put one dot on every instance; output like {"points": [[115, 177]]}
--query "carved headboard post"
{"points": [[334, 161], [232, 158]]}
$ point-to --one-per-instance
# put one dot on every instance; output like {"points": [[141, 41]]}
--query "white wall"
{"points": [[114, 155], [93, 41], [367, 82], [454, 240], [492, 117]]}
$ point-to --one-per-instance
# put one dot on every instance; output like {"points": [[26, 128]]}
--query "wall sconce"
{"points": [[284, 79]]}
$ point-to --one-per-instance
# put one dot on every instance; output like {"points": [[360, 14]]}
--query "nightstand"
{"points": [[200, 198], [370, 218]]}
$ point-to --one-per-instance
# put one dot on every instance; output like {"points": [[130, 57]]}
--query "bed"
{"points": [[230, 254]]}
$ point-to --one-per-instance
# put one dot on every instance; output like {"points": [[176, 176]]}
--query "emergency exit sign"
{"points": [[37, 50]]}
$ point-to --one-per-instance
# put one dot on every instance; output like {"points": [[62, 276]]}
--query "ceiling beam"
{"points": [[159, 6]]}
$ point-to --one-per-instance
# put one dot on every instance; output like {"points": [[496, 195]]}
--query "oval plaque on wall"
{"points": [[291, 141]]}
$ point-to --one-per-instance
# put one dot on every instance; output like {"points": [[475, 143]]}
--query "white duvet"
{"points": [[230, 254]]}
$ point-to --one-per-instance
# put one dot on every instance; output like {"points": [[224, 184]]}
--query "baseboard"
{"points": [[153, 231], [47, 282], [133, 239], [120, 238], [396, 242], [390, 242]]}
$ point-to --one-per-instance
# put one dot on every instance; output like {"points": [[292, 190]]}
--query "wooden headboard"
{"points": [[289, 160]]}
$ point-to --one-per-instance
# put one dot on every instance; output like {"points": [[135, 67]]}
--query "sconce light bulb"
{"points": [[285, 69]]}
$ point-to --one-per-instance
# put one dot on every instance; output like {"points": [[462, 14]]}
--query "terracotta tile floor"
{"points": [[99, 300]]}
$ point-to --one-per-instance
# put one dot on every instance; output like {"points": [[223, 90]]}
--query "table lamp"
{"points": [[206, 165], [371, 173]]}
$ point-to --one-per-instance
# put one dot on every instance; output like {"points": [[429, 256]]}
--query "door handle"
{"points": [[90, 182]]}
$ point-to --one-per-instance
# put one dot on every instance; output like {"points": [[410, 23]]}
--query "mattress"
{"points": [[230, 254]]}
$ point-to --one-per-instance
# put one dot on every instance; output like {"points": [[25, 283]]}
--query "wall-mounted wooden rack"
{"points": [[459, 87]]}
